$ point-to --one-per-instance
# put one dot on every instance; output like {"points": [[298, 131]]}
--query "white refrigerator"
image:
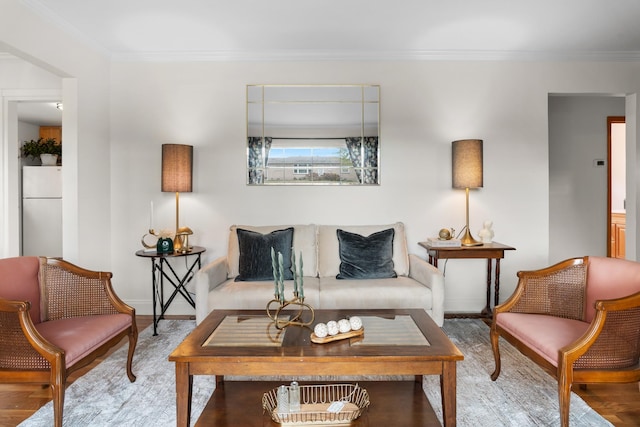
{"points": [[42, 211]]}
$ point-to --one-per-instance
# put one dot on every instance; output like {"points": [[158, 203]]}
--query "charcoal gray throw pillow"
{"points": [[255, 254], [366, 257]]}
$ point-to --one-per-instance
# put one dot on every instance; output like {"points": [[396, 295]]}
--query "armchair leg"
{"points": [[133, 340], [495, 337], [565, 380], [57, 391]]}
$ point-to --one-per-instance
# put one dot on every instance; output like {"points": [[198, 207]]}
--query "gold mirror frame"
{"points": [[313, 134]]}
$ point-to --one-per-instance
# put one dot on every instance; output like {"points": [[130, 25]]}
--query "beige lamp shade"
{"points": [[177, 167], [467, 163]]}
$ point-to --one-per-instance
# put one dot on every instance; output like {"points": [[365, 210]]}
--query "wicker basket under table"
{"points": [[314, 402]]}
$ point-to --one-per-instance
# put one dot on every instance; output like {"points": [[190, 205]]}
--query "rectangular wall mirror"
{"points": [[313, 134]]}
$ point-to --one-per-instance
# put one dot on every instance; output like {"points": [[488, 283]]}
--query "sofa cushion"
{"points": [[542, 333], [610, 278], [329, 252], [19, 281], [79, 336], [401, 292], [304, 241], [256, 262], [232, 295], [366, 257]]}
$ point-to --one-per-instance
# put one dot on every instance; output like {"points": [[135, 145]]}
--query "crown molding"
{"points": [[375, 55], [6, 56], [271, 55]]}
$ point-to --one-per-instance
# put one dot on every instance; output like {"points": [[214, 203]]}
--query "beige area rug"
{"points": [[524, 395]]}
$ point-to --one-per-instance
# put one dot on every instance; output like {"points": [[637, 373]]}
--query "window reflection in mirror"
{"points": [[310, 134]]}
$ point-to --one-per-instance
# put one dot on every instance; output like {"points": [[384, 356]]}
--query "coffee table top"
{"points": [[249, 335]]}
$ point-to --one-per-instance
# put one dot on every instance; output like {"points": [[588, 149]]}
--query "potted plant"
{"points": [[47, 150]]}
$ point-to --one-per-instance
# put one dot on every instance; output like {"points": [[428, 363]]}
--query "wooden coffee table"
{"points": [[244, 343]]}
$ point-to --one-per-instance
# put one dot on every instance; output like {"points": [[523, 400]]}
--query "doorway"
{"points": [[578, 174], [616, 183], [40, 186], [17, 129]]}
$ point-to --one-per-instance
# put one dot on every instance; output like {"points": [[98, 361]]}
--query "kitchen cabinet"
{"points": [[54, 132], [618, 225]]}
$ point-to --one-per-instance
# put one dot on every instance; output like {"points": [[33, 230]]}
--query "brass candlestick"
{"points": [[277, 264], [151, 232], [295, 319]]}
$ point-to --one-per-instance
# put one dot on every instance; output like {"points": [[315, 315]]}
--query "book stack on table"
{"points": [[436, 242]]}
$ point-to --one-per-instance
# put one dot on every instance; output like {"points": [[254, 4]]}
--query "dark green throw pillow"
{"points": [[255, 254], [366, 257]]}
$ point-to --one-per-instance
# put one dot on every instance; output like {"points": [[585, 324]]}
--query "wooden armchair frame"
{"points": [[27, 357], [609, 350]]}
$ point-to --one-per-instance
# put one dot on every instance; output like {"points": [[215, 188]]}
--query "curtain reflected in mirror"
{"points": [[309, 135]]}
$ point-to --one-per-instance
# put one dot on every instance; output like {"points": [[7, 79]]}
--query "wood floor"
{"points": [[618, 403]]}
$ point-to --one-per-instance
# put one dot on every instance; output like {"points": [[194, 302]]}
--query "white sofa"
{"points": [[418, 284]]}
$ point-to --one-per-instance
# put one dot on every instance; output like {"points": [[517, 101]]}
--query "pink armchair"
{"points": [[55, 318], [579, 320]]}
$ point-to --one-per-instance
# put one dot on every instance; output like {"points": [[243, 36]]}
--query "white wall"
{"points": [[424, 106], [117, 115], [27, 131], [84, 76], [578, 189]]}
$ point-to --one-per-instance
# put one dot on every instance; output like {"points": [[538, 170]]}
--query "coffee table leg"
{"points": [[448, 391], [184, 386]]}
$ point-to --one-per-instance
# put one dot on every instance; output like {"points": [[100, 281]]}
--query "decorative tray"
{"points": [[314, 404], [341, 336]]}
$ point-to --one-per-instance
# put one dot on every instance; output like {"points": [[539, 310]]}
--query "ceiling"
{"points": [[169, 30], [39, 113], [351, 29]]}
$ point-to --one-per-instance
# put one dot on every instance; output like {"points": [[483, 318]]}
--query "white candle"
{"points": [[151, 217]]}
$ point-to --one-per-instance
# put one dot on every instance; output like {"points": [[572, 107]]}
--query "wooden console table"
{"points": [[488, 251]]}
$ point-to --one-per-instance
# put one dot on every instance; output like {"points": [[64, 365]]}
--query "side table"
{"points": [[488, 251], [158, 263]]}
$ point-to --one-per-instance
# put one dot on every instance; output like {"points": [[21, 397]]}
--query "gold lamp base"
{"points": [[468, 240]]}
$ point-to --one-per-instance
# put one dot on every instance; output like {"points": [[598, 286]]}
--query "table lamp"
{"points": [[467, 173], [177, 174]]}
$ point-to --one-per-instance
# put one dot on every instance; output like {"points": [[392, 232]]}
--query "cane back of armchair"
{"points": [[72, 292], [558, 291]]}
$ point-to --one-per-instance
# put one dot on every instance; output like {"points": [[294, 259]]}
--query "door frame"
{"points": [[10, 226], [610, 120]]}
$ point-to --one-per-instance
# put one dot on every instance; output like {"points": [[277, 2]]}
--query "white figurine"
{"points": [[486, 234]]}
